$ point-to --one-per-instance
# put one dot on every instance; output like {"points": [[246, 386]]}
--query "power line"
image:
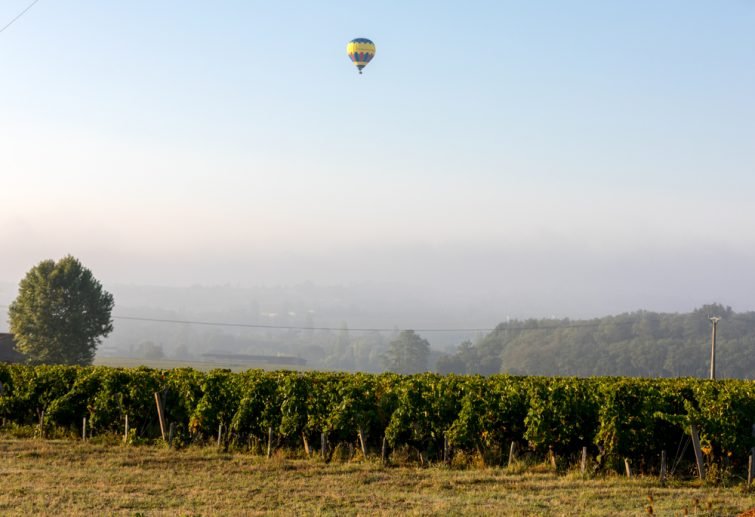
{"points": [[300, 327], [376, 329], [19, 15], [291, 327]]}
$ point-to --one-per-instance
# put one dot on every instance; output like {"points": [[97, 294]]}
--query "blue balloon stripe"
{"points": [[361, 57]]}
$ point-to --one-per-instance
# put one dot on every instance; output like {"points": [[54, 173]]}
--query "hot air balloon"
{"points": [[361, 51]]}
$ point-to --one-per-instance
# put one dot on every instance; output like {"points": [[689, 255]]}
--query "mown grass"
{"points": [[64, 477]]}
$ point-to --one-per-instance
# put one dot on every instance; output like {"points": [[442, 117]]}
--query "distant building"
{"points": [[8, 353], [251, 359]]}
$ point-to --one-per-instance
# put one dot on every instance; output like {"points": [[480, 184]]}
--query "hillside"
{"points": [[640, 343]]}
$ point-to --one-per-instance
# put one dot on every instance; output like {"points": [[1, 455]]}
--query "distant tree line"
{"points": [[62, 313], [641, 343]]}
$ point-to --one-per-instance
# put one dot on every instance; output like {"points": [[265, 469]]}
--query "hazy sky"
{"points": [[599, 154]]}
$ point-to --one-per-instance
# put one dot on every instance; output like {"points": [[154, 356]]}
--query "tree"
{"points": [[450, 364], [151, 351], [61, 313], [408, 353]]}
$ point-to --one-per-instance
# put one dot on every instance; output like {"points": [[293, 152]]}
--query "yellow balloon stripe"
{"points": [[360, 47]]}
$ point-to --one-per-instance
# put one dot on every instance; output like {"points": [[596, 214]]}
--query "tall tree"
{"points": [[408, 353], [61, 313]]}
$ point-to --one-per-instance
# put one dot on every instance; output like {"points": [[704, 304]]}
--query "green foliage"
{"points": [[641, 343], [293, 390], [61, 313], [259, 407], [427, 404], [80, 399], [221, 395], [354, 404], [563, 414], [621, 417], [629, 423], [408, 353], [726, 414], [493, 411], [31, 391]]}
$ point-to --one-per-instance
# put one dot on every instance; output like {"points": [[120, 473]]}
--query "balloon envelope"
{"points": [[361, 51]]}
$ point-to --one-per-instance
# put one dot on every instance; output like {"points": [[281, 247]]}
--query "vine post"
{"points": [[84, 429], [698, 451], [306, 445], [552, 457], [361, 443], [42, 423], [160, 414], [663, 468], [583, 465]]}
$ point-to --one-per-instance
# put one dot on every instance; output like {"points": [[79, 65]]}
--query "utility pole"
{"points": [[714, 320]]}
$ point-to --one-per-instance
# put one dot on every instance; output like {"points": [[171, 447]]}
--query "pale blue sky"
{"points": [[488, 143]]}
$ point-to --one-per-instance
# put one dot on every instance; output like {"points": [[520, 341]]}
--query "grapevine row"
{"points": [[614, 417]]}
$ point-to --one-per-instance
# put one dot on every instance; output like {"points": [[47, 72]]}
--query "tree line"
{"points": [[642, 343], [62, 313]]}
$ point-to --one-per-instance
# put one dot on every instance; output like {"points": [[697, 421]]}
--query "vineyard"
{"points": [[429, 415]]}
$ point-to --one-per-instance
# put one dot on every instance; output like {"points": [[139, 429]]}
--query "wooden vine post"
{"points": [[583, 465], [307, 450], [361, 443], [663, 468], [552, 457], [698, 451], [160, 414]]}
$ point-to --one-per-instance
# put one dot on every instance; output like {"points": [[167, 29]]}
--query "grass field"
{"points": [[74, 478]]}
